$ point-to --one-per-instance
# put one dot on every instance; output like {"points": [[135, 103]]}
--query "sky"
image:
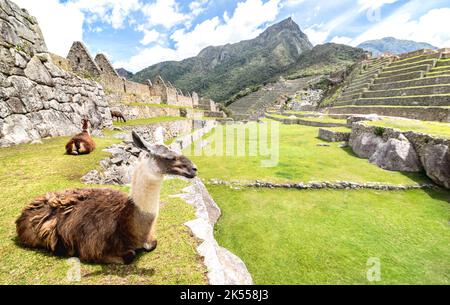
{"points": [[135, 34]]}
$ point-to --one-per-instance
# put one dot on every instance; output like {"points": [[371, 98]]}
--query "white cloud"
{"points": [[147, 57], [113, 12], [165, 13], [246, 22], [51, 15], [149, 36], [341, 39], [291, 3], [374, 4], [431, 27]]}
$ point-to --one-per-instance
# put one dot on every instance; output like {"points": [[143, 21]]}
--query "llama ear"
{"points": [[138, 141], [158, 136]]}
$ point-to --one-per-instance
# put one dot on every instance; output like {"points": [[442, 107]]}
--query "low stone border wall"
{"points": [[418, 113], [410, 151], [334, 136], [305, 122], [148, 112], [318, 185], [224, 268]]}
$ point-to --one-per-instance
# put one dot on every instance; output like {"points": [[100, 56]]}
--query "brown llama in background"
{"points": [[104, 225], [82, 143], [118, 115]]}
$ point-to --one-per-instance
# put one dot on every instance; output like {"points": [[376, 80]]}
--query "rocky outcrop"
{"points": [[403, 151], [365, 144], [397, 155], [37, 98], [436, 161]]}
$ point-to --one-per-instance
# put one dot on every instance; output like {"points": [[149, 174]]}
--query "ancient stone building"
{"points": [[38, 99], [105, 66], [81, 61]]}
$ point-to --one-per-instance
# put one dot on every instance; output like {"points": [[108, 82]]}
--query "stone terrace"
{"points": [[414, 85]]}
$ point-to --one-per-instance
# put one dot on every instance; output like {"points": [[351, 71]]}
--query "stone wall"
{"points": [[297, 121], [410, 151], [146, 112], [417, 113], [333, 135], [105, 66], [38, 99], [82, 62]]}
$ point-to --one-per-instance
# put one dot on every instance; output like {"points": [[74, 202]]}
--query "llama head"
{"points": [[167, 161], [85, 123]]}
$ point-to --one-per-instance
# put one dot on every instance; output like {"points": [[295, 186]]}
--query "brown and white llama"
{"points": [[82, 143], [104, 225], [118, 115]]}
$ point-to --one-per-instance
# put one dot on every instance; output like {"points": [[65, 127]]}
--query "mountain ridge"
{"points": [[393, 45]]}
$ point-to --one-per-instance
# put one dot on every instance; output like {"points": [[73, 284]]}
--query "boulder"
{"points": [[37, 72], [436, 161], [364, 145], [397, 155]]}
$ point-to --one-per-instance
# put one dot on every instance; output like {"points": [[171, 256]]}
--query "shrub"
{"points": [[379, 131]]}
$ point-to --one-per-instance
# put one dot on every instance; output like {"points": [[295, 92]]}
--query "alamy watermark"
{"points": [[74, 272], [374, 269], [260, 140]]}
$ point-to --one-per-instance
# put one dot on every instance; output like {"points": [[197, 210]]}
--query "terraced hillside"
{"points": [[255, 103], [415, 85]]}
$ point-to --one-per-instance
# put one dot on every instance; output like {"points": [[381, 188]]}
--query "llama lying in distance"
{"points": [[82, 143], [118, 115], [104, 225]]}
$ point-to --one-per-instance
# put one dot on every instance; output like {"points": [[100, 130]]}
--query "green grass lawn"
{"points": [[321, 119], [148, 121], [327, 237], [428, 127], [27, 171], [300, 160]]}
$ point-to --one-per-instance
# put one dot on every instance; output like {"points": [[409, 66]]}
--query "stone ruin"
{"points": [[38, 99], [157, 91]]}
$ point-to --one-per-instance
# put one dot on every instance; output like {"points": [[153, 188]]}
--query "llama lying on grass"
{"points": [[104, 225], [82, 143], [118, 115]]}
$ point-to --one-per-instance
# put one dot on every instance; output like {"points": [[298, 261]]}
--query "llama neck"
{"points": [[146, 186]]}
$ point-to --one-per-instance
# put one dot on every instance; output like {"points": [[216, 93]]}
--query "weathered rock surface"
{"points": [[436, 161], [403, 151], [397, 155], [37, 98], [364, 145]]}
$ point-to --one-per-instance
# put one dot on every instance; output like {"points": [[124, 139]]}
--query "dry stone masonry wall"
{"points": [[37, 98], [409, 151]]}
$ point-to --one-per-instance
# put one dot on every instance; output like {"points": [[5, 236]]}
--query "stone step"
{"points": [[415, 59], [443, 63], [431, 62], [427, 81], [352, 93], [438, 73], [353, 87], [426, 90], [399, 77], [416, 53], [390, 73], [365, 76], [430, 100]]}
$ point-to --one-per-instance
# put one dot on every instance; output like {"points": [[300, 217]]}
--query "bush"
{"points": [[379, 131]]}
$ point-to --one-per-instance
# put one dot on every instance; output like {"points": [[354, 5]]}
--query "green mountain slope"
{"points": [[220, 72]]}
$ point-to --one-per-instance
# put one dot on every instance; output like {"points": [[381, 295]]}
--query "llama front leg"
{"points": [[151, 241]]}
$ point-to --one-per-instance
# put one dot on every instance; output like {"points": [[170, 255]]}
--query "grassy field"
{"points": [[327, 237], [300, 160], [137, 122], [431, 128], [321, 119], [27, 171]]}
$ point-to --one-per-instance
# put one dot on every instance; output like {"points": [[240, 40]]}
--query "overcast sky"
{"points": [[137, 33]]}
